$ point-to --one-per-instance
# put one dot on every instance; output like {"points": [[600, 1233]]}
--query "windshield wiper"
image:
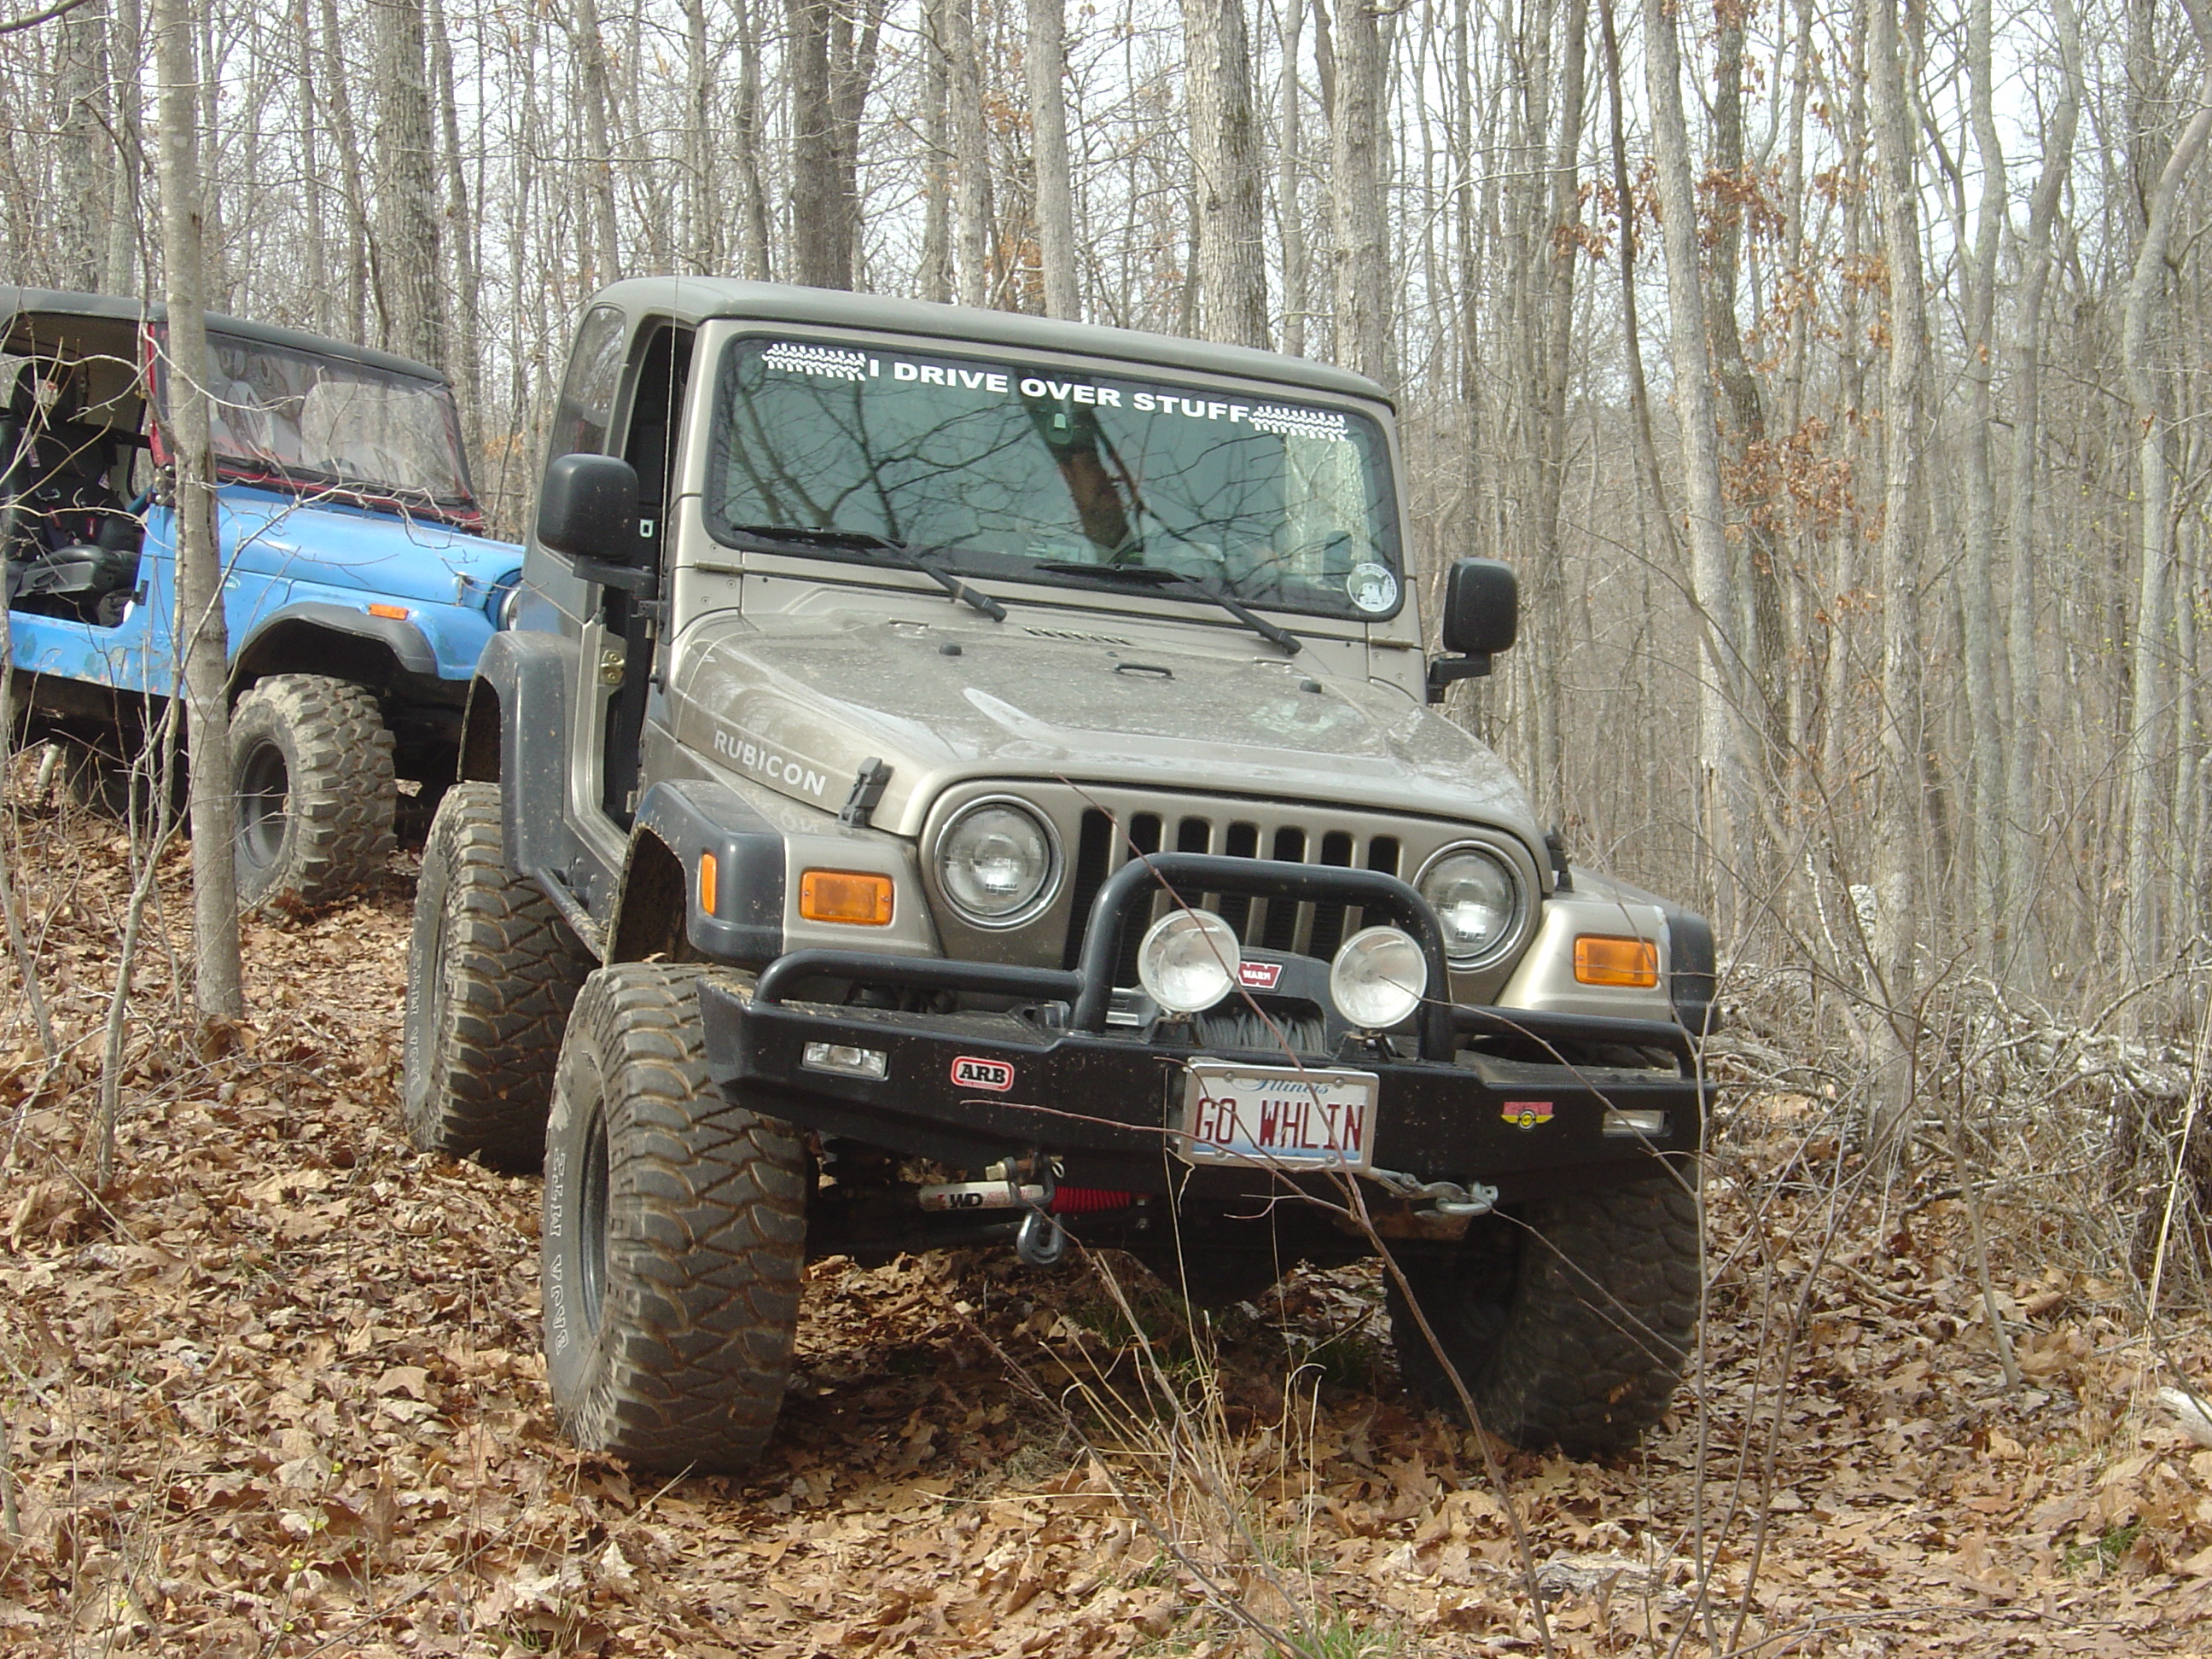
{"points": [[803, 538], [1137, 576]]}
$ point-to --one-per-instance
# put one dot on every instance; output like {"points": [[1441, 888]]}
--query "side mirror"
{"points": [[588, 513], [1482, 617]]}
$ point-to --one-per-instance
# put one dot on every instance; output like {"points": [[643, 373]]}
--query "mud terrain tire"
{"points": [[311, 772], [675, 1230], [492, 970], [1570, 1323]]}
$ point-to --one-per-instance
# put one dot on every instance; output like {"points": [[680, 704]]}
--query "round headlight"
{"points": [[997, 864], [1188, 961], [1477, 899], [506, 594], [1377, 978]]}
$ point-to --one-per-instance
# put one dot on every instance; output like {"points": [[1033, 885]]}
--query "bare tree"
{"points": [[1231, 201], [200, 624], [1360, 254], [410, 289], [1046, 61]]}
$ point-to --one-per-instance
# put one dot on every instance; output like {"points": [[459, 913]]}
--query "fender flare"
{"points": [[691, 817], [409, 649], [520, 692]]}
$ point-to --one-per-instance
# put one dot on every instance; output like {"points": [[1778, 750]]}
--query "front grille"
{"points": [[1107, 839]]}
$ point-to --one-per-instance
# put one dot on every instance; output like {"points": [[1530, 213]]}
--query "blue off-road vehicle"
{"points": [[358, 588]]}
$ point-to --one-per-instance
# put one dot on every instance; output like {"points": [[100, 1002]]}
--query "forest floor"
{"points": [[277, 1391]]}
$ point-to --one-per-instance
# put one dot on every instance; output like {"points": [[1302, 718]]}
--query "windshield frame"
{"points": [[311, 485], [1379, 464]]}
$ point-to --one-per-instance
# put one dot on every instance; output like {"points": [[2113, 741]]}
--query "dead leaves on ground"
{"points": [[279, 1393]]}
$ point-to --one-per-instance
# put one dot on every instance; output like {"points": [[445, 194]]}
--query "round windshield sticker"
{"points": [[1372, 586]]}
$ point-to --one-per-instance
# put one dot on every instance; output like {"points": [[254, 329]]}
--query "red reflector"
{"points": [[1086, 1200]]}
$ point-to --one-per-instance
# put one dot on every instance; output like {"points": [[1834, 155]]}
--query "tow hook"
{"points": [[1447, 1200], [1040, 1240], [1025, 1183]]}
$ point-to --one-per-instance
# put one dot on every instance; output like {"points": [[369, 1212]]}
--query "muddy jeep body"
{"points": [[755, 769], [358, 591]]}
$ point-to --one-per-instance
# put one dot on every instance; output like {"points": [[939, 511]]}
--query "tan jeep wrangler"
{"points": [[974, 778]]}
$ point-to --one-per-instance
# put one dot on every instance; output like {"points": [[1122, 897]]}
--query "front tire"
{"points": [[1570, 1323], [492, 970], [675, 1230], [311, 774]]}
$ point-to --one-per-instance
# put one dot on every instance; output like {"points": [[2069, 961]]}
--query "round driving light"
{"points": [[1477, 900], [1377, 978], [997, 864], [1188, 961]]}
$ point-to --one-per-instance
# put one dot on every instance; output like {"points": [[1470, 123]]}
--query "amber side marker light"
{"points": [[1600, 960], [847, 895], [395, 612], [710, 885]]}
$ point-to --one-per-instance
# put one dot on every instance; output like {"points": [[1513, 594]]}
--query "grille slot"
{"points": [[1103, 846]]}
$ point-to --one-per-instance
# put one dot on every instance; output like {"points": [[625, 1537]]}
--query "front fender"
{"points": [[519, 711]]}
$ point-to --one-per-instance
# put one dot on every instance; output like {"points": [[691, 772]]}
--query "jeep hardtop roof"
{"points": [[16, 302], [694, 300]]}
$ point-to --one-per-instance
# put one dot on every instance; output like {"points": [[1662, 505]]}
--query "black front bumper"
{"points": [[966, 1089]]}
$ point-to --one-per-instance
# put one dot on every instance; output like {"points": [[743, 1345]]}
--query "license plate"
{"points": [[1279, 1116]]}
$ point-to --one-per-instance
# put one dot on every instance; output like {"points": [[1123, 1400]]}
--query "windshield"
{"points": [[281, 415], [1016, 472]]}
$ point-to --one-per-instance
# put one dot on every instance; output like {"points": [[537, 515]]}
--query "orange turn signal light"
{"points": [[847, 895], [1600, 960], [395, 612], [710, 885]]}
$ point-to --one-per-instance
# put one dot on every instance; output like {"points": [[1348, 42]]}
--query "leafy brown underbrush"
{"points": [[276, 1391]]}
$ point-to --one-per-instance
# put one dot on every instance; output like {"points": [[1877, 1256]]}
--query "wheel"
{"points": [[1570, 1323], [310, 773], [106, 787], [492, 970], [675, 1229]]}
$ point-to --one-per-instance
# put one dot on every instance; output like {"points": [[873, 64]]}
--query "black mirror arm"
{"points": [[629, 578], [1443, 671]]}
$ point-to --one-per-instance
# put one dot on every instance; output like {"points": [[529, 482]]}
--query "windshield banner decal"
{"points": [[832, 363]]}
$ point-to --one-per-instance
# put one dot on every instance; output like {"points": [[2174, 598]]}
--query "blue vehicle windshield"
{"points": [[1057, 477]]}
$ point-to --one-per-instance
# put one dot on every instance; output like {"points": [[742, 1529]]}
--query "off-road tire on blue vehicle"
{"points": [[311, 774], [1570, 1320], [675, 1232], [492, 971]]}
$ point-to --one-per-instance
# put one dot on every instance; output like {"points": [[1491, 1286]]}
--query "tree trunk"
{"points": [[217, 987], [2141, 928], [606, 265], [125, 46], [1224, 145], [2025, 748], [1290, 216], [821, 221], [1978, 577], [345, 139], [1721, 703], [82, 146], [408, 290], [971, 157], [1046, 61], [746, 134], [934, 280], [1359, 256], [1901, 827]]}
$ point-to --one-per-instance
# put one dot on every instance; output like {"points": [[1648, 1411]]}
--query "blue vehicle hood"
{"points": [[385, 553]]}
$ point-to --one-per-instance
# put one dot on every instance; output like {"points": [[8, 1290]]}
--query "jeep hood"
{"points": [[800, 704], [381, 553]]}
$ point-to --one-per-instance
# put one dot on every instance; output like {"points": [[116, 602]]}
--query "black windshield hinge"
{"points": [[868, 788]]}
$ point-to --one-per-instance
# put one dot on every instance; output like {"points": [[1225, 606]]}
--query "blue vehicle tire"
{"points": [[310, 773]]}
